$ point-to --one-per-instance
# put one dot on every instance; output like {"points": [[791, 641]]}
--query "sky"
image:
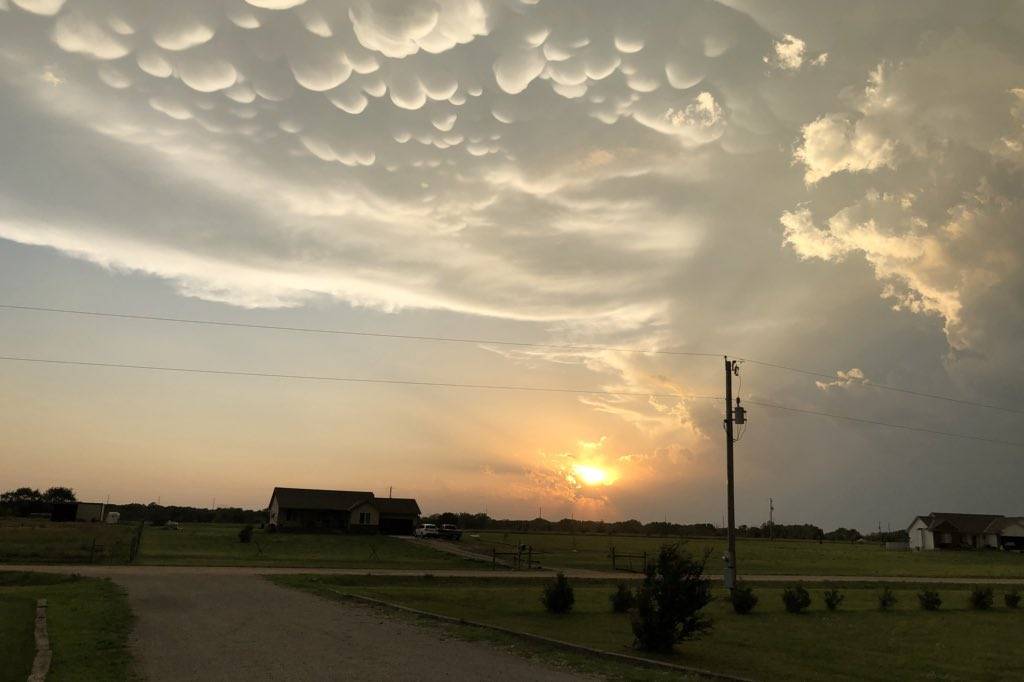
{"points": [[836, 187]]}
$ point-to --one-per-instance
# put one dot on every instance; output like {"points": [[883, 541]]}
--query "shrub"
{"points": [[743, 599], [1012, 599], [930, 600], [982, 598], [558, 596], [886, 599], [622, 598], [670, 600], [833, 598], [245, 535], [796, 598]]}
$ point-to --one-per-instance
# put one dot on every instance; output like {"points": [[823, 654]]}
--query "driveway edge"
{"points": [[569, 646]]}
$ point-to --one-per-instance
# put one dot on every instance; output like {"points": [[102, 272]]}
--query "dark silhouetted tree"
{"points": [[58, 494], [670, 601], [558, 596], [21, 495]]}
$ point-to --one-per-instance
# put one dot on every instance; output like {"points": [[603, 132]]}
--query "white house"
{"points": [[966, 531]]}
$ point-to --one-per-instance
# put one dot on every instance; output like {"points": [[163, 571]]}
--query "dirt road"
{"points": [[195, 626]]}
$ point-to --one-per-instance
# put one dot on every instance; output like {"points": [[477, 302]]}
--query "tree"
{"points": [[669, 603], [58, 494], [21, 495], [558, 596]]}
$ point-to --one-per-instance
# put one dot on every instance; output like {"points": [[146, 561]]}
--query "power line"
{"points": [[357, 380], [873, 422], [349, 332], [497, 342], [884, 387], [504, 387]]}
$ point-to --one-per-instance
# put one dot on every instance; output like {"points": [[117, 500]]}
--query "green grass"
{"points": [[88, 620], [33, 541], [856, 642], [780, 557], [201, 544]]}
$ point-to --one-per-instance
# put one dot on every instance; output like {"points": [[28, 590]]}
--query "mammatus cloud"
{"points": [[607, 175]]}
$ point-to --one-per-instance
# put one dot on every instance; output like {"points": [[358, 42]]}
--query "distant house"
{"points": [[966, 531], [347, 510]]}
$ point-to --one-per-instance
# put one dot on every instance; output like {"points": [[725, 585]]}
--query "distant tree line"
{"points": [[160, 514], [30, 501], [25, 501], [799, 531]]}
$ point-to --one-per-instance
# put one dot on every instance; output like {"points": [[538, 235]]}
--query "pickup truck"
{"points": [[450, 531], [427, 530]]}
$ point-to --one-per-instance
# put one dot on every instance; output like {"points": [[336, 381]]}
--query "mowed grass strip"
{"points": [[760, 557], [200, 544], [40, 541], [856, 642], [88, 620]]}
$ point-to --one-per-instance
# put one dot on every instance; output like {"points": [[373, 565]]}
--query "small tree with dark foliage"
{"points": [[245, 535], [1012, 599], [622, 598], [796, 599], [982, 598], [743, 599], [558, 596], [886, 599], [833, 598], [59, 494], [669, 603], [929, 599]]}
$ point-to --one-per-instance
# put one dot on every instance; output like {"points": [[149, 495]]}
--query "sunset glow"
{"points": [[592, 475]]}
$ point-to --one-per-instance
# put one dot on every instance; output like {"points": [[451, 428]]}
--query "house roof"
{"points": [[333, 500], [961, 523], [1002, 523], [397, 505]]}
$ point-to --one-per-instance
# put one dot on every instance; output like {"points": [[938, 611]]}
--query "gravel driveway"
{"points": [[242, 627]]}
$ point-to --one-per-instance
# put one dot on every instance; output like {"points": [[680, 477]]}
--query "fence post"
{"points": [[529, 557], [645, 561], [613, 558], [494, 558]]}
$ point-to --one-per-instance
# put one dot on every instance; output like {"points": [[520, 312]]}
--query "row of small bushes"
{"points": [[667, 607], [796, 599], [558, 597]]}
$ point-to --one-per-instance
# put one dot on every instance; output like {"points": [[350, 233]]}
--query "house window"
{"points": [[364, 518]]}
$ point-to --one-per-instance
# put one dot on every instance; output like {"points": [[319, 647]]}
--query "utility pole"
{"points": [[733, 416], [771, 519]]}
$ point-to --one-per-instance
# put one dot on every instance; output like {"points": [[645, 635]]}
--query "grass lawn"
{"points": [[35, 541], [203, 544], [88, 621], [780, 557], [856, 642]]}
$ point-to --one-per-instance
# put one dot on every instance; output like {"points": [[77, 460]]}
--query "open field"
{"points": [[779, 557], [26, 541], [198, 544], [88, 621], [856, 642], [217, 545]]}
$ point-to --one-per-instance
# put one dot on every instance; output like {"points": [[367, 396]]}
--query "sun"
{"points": [[591, 475]]}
